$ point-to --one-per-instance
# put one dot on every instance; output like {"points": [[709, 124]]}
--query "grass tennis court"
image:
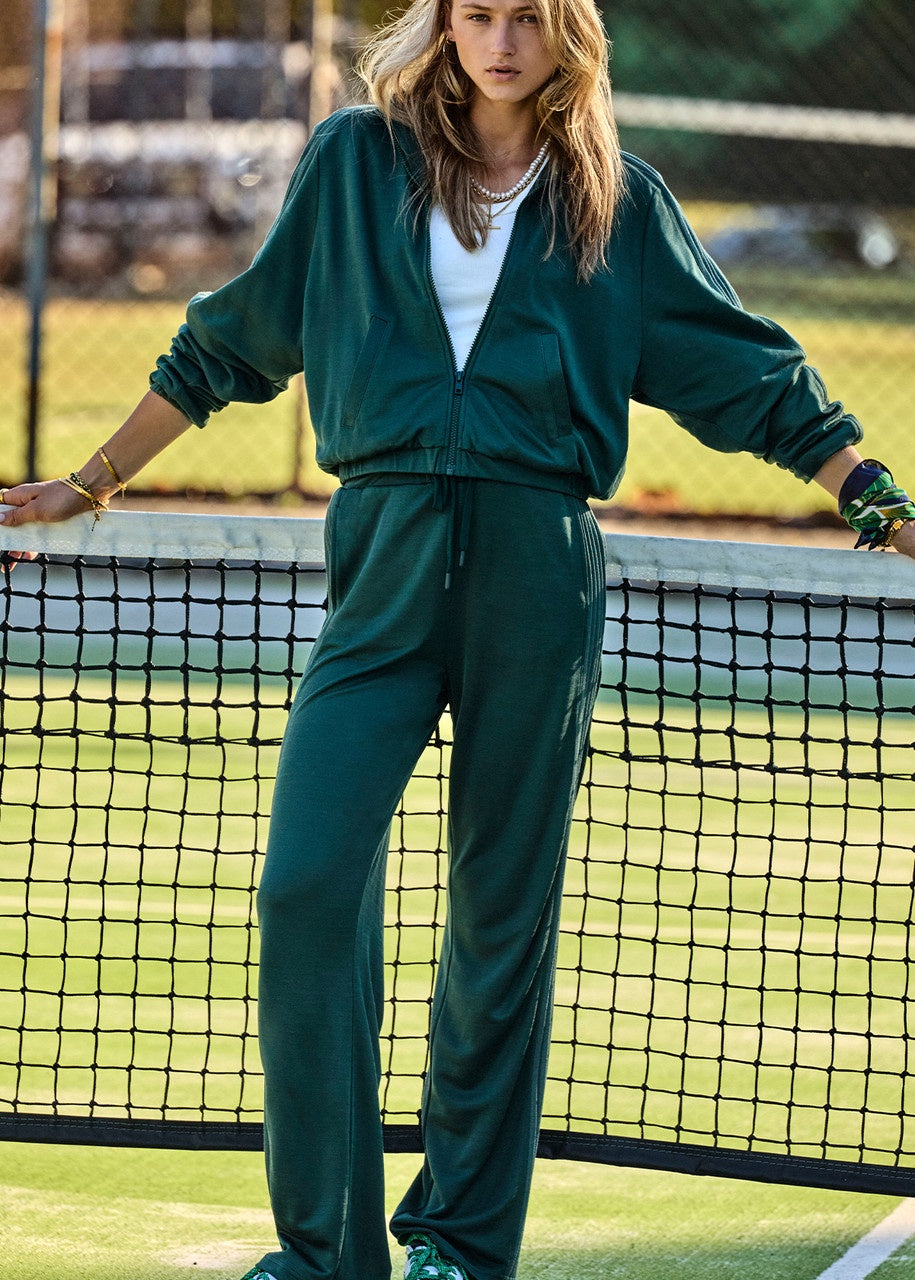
{"points": [[79, 1213]]}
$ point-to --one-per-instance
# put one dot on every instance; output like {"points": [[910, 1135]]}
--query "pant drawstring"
{"points": [[454, 494]]}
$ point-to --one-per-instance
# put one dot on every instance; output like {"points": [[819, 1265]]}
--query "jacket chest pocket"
{"points": [[367, 359], [556, 401]]}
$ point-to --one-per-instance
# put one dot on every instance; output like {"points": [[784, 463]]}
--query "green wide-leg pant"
{"points": [[512, 645]]}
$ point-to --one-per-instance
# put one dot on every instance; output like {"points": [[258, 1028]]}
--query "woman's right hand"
{"points": [[152, 425], [44, 502]]}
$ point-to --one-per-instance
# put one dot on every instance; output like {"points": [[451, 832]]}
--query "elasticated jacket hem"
{"points": [[475, 466]]}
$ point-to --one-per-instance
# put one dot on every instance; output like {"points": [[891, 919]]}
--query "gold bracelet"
{"points": [[75, 482], [117, 479], [891, 533]]}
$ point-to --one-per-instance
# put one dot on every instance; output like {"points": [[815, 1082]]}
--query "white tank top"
{"points": [[465, 281]]}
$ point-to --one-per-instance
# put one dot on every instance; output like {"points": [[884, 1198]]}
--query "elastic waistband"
{"points": [[383, 476], [385, 479]]}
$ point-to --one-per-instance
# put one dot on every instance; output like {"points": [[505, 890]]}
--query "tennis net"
{"points": [[736, 976]]}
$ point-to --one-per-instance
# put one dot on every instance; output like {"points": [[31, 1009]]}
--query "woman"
{"points": [[475, 283]]}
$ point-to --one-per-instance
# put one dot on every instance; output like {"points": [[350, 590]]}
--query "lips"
{"points": [[502, 73]]}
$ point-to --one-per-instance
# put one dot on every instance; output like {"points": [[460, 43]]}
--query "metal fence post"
{"points": [[45, 123]]}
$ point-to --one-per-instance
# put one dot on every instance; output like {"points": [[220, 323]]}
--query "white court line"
{"points": [[863, 1258]]}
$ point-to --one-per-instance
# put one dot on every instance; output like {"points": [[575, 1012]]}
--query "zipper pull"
{"points": [[459, 383]]}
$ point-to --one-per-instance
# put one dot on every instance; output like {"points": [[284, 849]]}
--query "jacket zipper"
{"points": [[458, 375]]}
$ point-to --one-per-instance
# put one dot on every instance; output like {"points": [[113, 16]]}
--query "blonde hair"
{"points": [[413, 76]]}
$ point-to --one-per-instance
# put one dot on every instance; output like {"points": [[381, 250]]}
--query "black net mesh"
{"points": [[734, 987]]}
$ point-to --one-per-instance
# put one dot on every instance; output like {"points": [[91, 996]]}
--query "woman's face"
{"points": [[500, 47]]}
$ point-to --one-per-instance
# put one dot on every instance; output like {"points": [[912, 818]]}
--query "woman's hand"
{"points": [[153, 424], [46, 502]]}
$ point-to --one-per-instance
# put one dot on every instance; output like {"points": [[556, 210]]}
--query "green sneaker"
{"points": [[424, 1262]]}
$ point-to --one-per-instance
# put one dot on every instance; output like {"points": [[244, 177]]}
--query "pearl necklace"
{"points": [[503, 197]]}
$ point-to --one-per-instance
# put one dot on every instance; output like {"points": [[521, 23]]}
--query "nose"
{"points": [[503, 36]]}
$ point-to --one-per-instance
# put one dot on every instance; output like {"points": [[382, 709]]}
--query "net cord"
{"points": [[820, 571]]}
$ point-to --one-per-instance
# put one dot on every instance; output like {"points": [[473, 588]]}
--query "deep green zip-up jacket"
{"points": [[342, 289]]}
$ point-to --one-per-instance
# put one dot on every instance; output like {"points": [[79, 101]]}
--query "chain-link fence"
{"points": [[788, 129]]}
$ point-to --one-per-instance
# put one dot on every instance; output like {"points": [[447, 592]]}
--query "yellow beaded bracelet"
{"points": [[75, 482]]}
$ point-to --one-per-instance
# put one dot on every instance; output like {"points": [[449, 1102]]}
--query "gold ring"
{"points": [[3, 496]]}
